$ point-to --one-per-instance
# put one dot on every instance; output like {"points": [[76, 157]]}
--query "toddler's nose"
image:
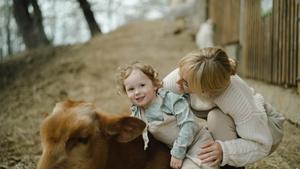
{"points": [[136, 92]]}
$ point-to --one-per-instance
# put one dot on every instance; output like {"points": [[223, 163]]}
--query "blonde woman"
{"points": [[245, 128]]}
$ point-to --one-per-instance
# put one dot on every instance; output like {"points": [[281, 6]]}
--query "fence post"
{"points": [[298, 50], [242, 38]]}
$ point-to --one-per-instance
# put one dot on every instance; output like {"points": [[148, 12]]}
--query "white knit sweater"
{"points": [[246, 108]]}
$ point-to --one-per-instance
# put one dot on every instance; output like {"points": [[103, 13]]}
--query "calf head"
{"points": [[74, 135]]}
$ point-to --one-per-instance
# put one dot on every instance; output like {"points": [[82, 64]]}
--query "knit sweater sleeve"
{"points": [[246, 109], [169, 82]]}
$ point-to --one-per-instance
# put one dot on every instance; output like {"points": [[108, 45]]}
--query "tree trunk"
{"points": [[7, 28], [30, 24], [89, 16]]}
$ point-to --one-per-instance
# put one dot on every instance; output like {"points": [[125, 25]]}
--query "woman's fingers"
{"points": [[216, 162], [208, 144], [211, 153], [206, 157], [209, 159], [206, 148]]}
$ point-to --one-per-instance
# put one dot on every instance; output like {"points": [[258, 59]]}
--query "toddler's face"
{"points": [[140, 89]]}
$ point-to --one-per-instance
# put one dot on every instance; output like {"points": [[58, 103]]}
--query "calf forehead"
{"points": [[67, 119], [74, 106]]}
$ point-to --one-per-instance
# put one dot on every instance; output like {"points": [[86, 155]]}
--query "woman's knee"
{"points": [[221, 126]]}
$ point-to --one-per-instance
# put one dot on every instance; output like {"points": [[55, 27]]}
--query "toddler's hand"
{"points": [[175, 163]]}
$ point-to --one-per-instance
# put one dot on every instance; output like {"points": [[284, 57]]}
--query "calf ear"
{"points": [[126, 128]]}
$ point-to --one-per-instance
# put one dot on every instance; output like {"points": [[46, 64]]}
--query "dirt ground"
{"points": [[34, 81]]}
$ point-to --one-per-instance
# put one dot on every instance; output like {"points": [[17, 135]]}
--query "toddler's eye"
{"points": [[130, 89], [142, 85]]}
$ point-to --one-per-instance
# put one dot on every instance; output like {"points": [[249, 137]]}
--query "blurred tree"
{"points": [[7, 28], [89, 16], [29, 20]]}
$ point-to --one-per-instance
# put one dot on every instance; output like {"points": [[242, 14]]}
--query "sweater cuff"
{"points": [[225, 153], [178, 152]]}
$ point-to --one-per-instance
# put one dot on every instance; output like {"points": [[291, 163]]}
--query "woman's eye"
{"points": [[142, 85], [185, 83]]}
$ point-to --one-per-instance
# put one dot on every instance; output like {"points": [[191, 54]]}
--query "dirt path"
{"points": [[87, 72]]}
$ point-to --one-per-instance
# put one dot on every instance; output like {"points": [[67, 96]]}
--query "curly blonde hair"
{"points": [[125, 70], [208, 70]]}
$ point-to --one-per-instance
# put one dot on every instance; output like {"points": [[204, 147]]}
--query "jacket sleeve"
{"points": [[187, 125]]}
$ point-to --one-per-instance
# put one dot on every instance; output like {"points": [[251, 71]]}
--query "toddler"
{"points": [[166, 114]]}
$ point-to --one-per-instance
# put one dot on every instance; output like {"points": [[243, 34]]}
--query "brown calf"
{"points": [[75, 136]]}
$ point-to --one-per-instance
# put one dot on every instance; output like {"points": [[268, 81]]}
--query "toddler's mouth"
{"points": [[139, 99]]}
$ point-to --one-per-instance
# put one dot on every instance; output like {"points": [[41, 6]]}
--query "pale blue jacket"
{"points": [[174, 105]]}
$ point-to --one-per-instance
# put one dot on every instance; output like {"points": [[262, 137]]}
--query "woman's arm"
{"points": [[255, 143], [169, 82], [248, 113]]}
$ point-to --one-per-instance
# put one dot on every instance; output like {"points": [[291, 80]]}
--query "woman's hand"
{"points": [[211, 153], [175, 163]]}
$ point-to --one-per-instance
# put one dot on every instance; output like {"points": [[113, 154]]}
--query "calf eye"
{"points": [[74, 141], [83, 140]]}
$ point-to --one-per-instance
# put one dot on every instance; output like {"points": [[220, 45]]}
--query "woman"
{"points": [[245, 128]]}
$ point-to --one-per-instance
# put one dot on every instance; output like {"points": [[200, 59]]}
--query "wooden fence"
{"points": [[226, 16], [269, 42], [271, 47]]}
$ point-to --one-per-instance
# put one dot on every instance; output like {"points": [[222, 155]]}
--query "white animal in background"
{"points": [[204, 37]]}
